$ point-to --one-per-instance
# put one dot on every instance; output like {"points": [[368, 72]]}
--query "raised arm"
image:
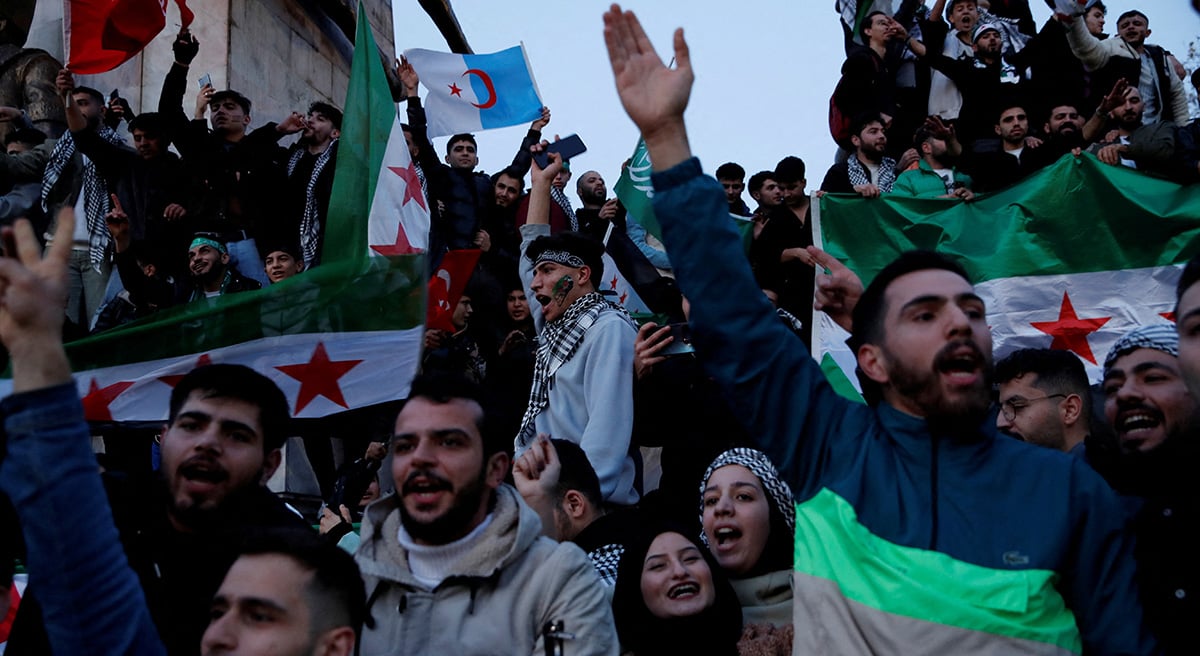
{"points": [[91, 600], [768, 373], [1086, 47], [523, 158]]}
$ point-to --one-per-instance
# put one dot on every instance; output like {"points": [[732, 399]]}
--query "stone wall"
{"points": [[282, 54]]}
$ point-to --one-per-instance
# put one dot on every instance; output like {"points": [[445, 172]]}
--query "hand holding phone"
{"points": [[205, 80], [568, 148]]}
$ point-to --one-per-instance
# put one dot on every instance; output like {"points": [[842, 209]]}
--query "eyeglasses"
{"points": [[1012, 407]]}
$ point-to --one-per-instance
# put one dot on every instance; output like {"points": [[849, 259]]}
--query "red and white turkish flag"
{"points": [[100, 35]]}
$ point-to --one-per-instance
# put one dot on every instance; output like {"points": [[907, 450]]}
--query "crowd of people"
{"points": [[567, 478]]}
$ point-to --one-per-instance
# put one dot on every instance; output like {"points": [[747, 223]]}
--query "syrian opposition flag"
{"points": [[342, 335], [375, 175], [1071, 258], [100, 35], [468, 93]]}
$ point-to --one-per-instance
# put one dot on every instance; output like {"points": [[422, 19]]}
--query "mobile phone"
{"points": [[114, 95], [205, 80], [568, 148], [682, 342]]}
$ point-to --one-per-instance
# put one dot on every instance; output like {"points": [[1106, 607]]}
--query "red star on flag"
{"points": [[401, 247], [319, 377], [455, 91], [412, 185], [95, 404], [623, 297], [613, 283], [1070, 332], [1169, 316], [174, 379]]}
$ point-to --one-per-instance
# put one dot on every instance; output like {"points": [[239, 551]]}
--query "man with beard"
{"points": [[454, 562], [1156, 421], [598, 209], [209, 273], [178, 527], [1045, 399], [310, 165], [867, 172], [935, 175], [1141, 146], [914, 519]]}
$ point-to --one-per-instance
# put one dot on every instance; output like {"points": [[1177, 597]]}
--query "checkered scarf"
{"points": [[1158, 337], [761, 466], [859, 175], [310, 223], [606, 559], [556, 344], [95, 190], [559, 197]]}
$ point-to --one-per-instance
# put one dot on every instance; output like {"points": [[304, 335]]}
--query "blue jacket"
{"points": [[91, 600], [905, 539]]}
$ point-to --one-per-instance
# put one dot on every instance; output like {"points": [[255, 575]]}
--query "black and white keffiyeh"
{"points": [[310, 223], [559, 197], [761, 466], [606, 559], [95, 190], [859, 175], [557, 342]]}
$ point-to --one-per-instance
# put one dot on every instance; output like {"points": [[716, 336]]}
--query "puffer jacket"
{"points": [[507, 588]]}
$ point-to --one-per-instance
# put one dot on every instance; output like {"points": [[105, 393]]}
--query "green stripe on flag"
{"points": [[331, 298], [838, 380], [367, 124], [1076, 216], [831, 544], [864, 7]]}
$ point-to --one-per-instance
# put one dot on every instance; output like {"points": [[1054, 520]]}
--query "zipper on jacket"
{"points": [[933, 494]]}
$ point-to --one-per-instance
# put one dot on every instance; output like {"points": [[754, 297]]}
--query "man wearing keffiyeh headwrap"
{"points": [[583, 371]]}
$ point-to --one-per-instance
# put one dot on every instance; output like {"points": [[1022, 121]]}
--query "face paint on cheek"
{"points": [[561, 289]]}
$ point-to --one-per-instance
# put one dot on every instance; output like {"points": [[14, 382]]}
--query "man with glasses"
{"points": [[1044, 399]]}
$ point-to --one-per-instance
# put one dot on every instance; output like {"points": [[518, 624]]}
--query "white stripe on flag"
{"points": [[388, 362], [1106, 305]]}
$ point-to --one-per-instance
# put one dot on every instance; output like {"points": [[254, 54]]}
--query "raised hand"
{"points": [[33, 292], [408, 76], [653, 95], [838, 290], [292, 124], [542, 121], [185, 46]]}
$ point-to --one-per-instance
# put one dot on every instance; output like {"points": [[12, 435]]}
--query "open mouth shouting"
{"points": [[960, 364], [425, 489], [201, 474]]}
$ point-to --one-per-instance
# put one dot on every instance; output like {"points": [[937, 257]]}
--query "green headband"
{"points": [[205, 241]]}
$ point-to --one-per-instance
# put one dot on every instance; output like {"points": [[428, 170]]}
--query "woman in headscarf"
{"points": [[671, 597], [749, 518]]}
